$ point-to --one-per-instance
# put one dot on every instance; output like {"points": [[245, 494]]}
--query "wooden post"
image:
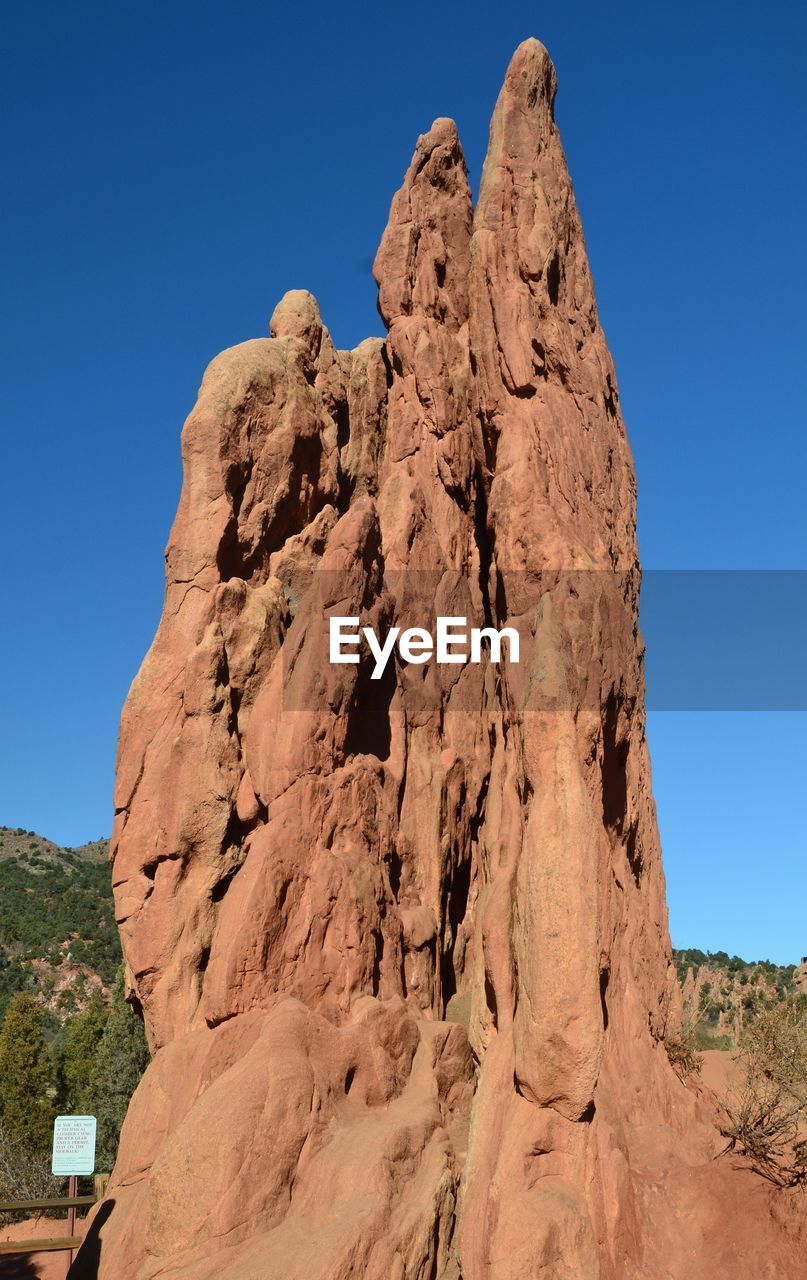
{"points": [[71, 1218]]}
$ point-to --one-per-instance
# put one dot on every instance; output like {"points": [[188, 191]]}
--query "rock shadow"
{"points": [[88, 1259]]}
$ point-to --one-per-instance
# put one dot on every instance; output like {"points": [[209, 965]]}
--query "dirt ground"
{"points": [[721, 1071], [35, 1266]]}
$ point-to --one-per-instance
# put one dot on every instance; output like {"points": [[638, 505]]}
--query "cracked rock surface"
{"points": [[401, 946]]}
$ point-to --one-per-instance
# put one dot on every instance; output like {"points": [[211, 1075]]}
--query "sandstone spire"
{"points": [[401, 946]]}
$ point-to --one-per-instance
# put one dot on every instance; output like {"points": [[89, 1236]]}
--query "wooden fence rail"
{"points": [[49, 1244], [59, 1202], [53, 1243]]}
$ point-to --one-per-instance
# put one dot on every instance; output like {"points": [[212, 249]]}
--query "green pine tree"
{"points": [[77, 1059], [26, 1075], [120, 1060]]}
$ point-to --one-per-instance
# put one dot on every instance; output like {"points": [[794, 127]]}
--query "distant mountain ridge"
{"points": [[17, 843]]}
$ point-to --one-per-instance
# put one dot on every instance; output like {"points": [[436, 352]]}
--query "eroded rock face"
{"points": [[401, 946]]}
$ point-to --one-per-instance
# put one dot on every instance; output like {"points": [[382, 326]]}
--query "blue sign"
{"points": [[73, 1146]]}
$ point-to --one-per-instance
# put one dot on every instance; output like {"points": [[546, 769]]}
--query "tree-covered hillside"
{"points": [[69, 1042], [723, 994], [58, 937], [693, 958]]}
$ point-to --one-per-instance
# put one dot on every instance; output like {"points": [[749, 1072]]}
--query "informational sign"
{"points": [[73, 1146]]}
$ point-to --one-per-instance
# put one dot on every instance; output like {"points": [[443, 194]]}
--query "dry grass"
{"points": [[683, 1052], [24, 1176]]}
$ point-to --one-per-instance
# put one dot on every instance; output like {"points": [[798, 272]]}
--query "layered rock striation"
{"points": [[401, 946]]}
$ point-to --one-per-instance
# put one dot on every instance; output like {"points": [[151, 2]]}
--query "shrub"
{"points": [[24, 1175], [765, 1118], [682, 1051]]}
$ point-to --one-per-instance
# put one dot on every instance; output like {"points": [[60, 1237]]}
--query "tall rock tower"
{"points": [[401, 944]]}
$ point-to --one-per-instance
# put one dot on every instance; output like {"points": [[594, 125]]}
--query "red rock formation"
{"points": [[401, 946]]}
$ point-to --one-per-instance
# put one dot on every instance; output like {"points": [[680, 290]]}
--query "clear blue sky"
{"points": [[171, 169]]}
